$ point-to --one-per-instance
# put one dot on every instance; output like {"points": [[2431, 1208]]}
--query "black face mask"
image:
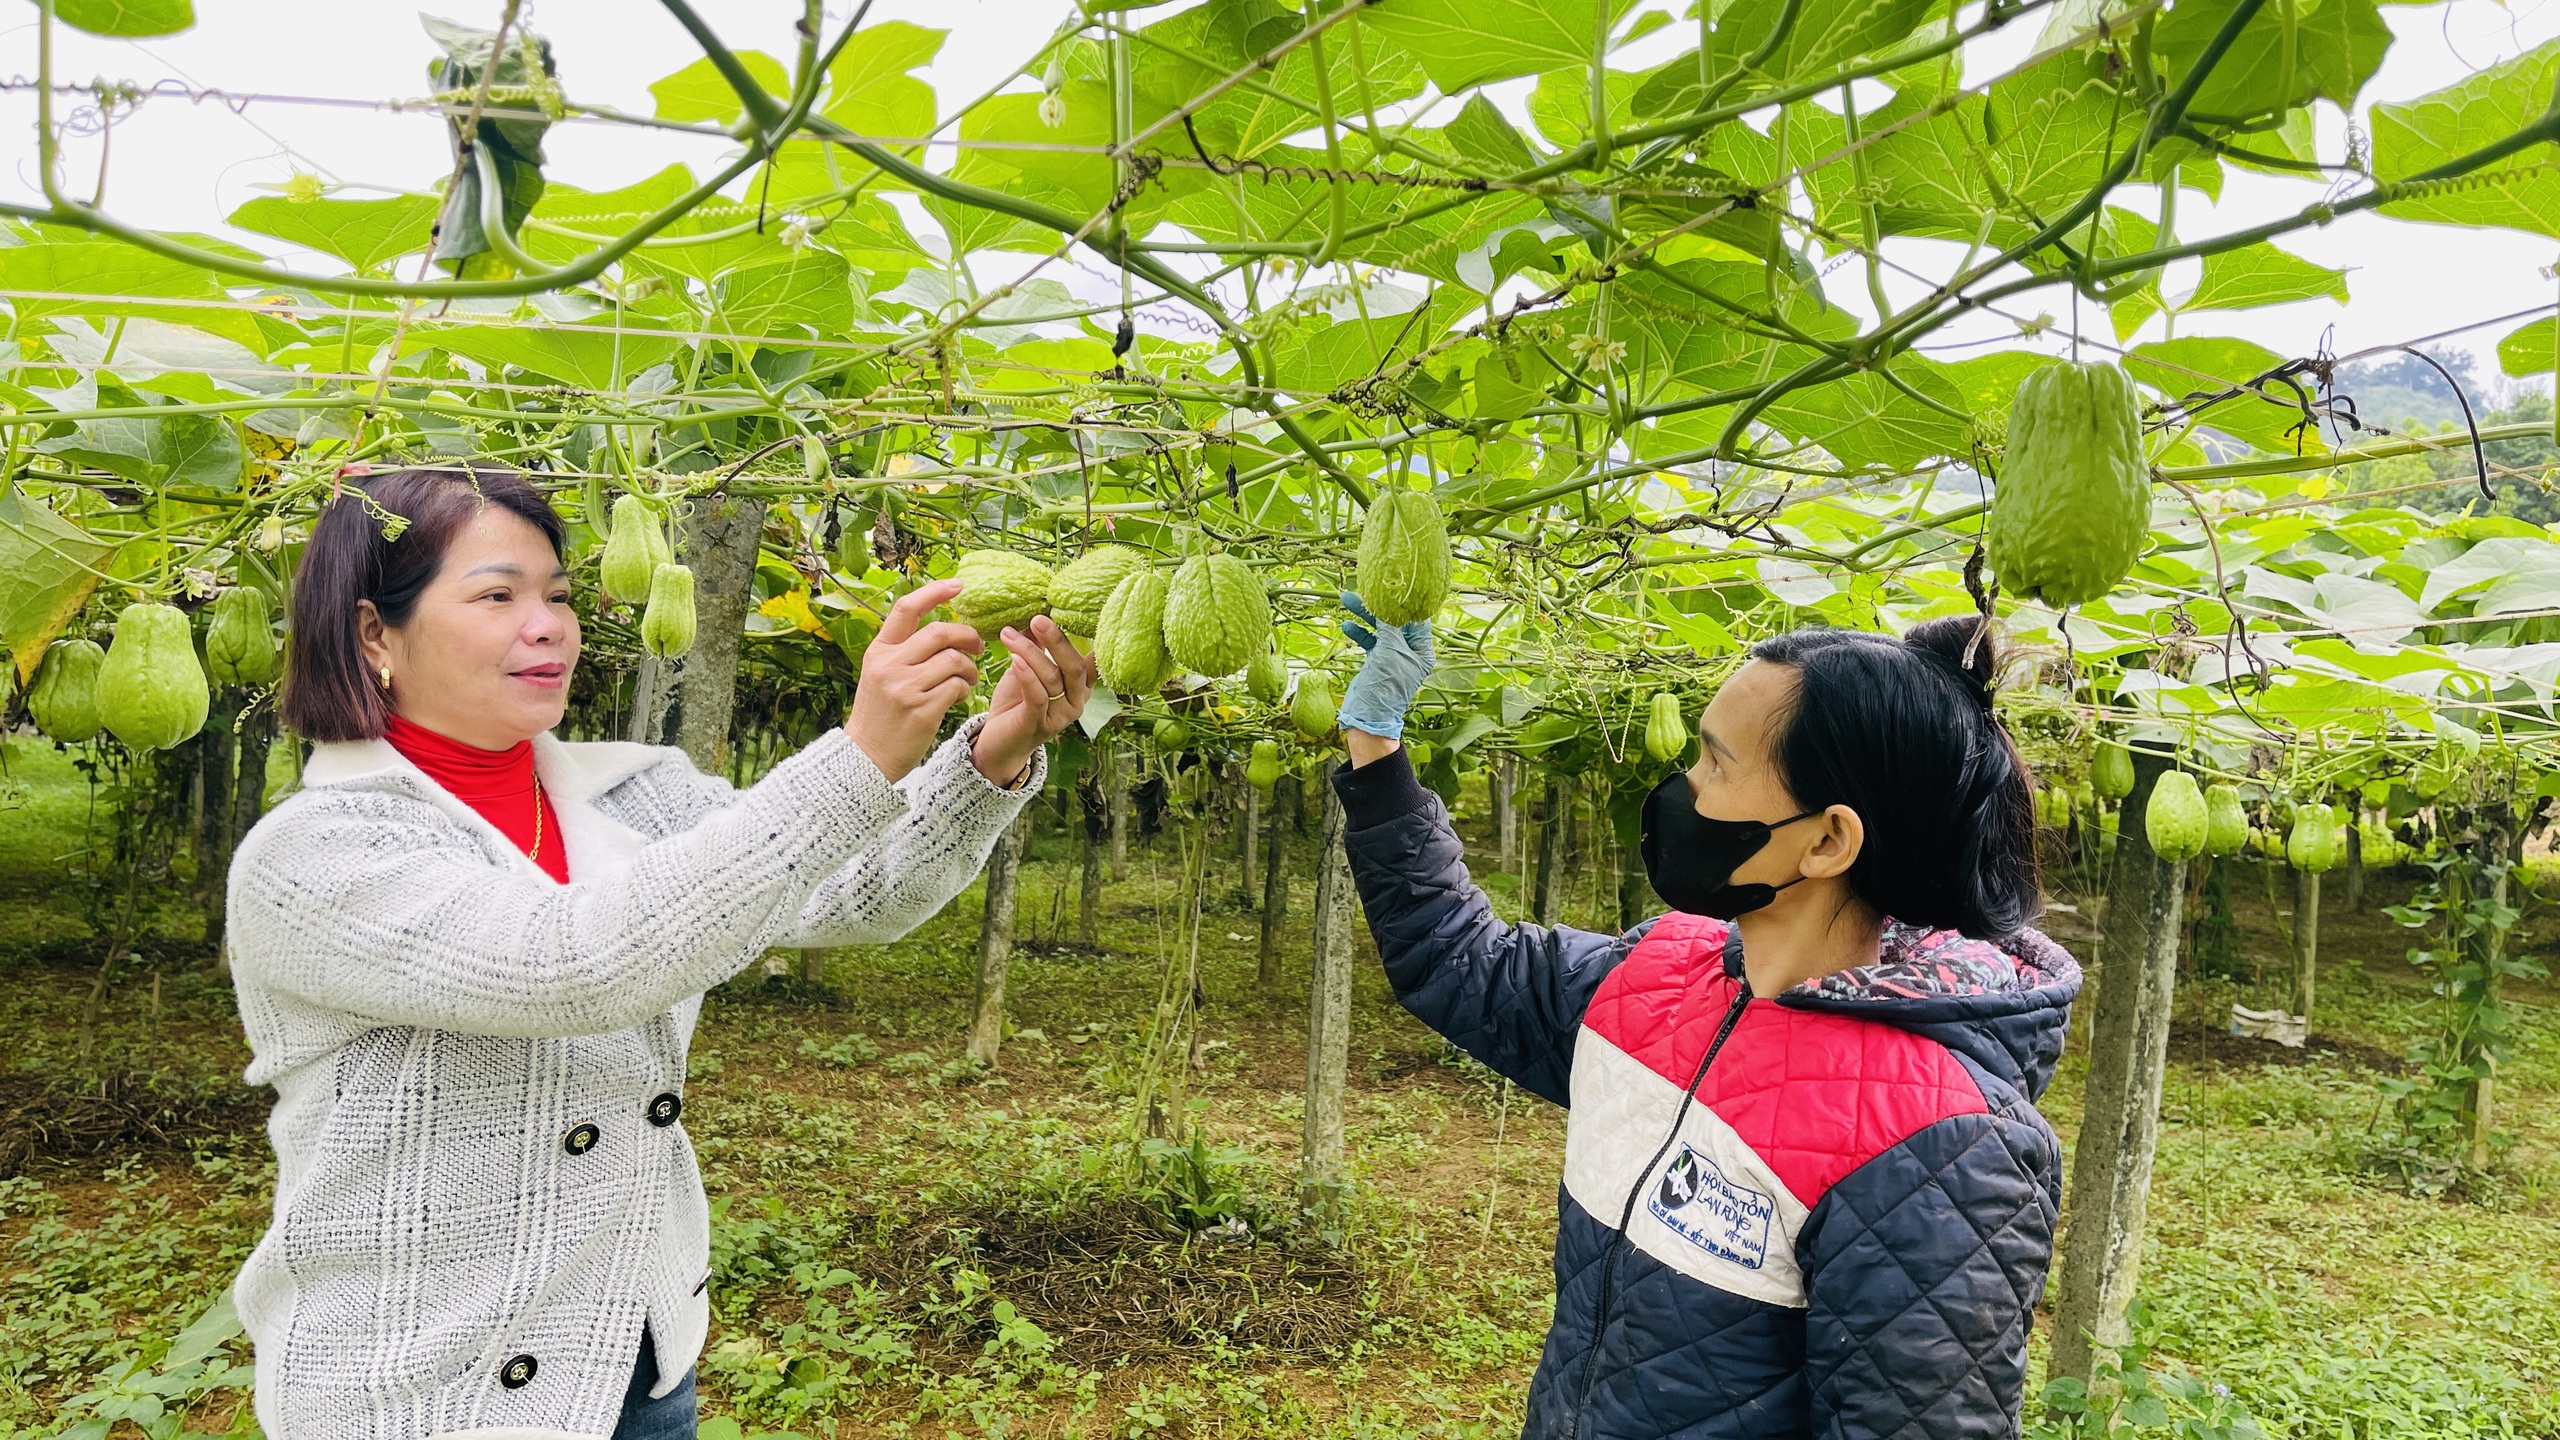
{"points": [[1691, 858]]}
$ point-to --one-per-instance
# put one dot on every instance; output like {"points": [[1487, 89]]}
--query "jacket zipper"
{"points": [[1627, 1215]]}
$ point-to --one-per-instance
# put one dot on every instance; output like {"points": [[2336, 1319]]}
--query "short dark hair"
{"points": [[1902, 731], [327, 694]]}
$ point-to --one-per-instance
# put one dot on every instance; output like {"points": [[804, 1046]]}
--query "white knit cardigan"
{"points": [[481, 1189]]}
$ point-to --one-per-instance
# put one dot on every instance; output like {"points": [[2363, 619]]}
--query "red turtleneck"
{"points": [[497, 783]]}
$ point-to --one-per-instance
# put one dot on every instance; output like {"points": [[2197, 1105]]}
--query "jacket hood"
{"points": [[2005, 1006]]}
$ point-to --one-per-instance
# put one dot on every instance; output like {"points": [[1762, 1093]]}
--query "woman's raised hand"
{"points": [[1042, 693], [912, 673]]}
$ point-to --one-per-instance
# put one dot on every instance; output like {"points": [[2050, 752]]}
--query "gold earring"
{"points": [[386, 677]]}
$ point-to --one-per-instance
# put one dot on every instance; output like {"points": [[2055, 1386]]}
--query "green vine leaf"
{"points": [[1448, 37], [807, 295], [366, 234], [181, 448], [870, 89], [2522, 193], [2263, 275], [1823, 36], [590, 356], [126, 19], [2286, 56], [48, 567], [1866, 420], [700, 92], [2529, 349]]}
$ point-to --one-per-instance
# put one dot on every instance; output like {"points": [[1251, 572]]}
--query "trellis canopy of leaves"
{"points": [[1618, 327]]}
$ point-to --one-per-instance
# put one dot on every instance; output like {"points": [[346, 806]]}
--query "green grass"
{"points": [[46, 807], [904, 1248]]}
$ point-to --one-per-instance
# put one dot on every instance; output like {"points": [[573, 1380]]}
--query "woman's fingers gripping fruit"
{"points": [[1038, 666], [907, 615], [1043, 693], [944, 635], [912, 673], [1075, 668]]}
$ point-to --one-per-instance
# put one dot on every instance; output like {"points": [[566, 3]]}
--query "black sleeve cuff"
{"points": [[1380, 791]]}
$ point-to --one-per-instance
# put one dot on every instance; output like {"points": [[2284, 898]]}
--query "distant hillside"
{"points": [[2403, 392]]}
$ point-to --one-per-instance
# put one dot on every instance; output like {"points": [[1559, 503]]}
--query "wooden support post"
{"points": [[2306, 943], [1635, 888], [2120, 1125], [217, 759], [1275, 890], [653, 683], [1251, 843], [2480, 1104], [1089, 890], [1555, 808], [995, 940], [1117, 789], [1328, 1018], [254, 734], [721, 535]]}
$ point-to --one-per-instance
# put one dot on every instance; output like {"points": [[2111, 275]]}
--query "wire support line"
{"points": [[575, 113], [285, 309]]}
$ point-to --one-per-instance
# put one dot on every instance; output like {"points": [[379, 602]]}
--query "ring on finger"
{"points": [[1054, 699]]}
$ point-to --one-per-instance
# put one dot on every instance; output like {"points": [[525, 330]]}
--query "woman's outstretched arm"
{"points": [[1512, 996], [962, 801], [371, 900]]}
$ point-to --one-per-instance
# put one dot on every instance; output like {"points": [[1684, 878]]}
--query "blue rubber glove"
{"points": [[1399, 661]]}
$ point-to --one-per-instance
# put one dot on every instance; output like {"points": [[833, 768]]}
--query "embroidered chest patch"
{"points": [[1698, 1202]]}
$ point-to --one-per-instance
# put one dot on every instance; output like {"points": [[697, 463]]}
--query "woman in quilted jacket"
{"points": [[1806, 1190], [469, 957]]}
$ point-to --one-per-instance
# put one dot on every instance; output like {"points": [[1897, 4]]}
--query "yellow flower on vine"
{"points": [[792, 608]]}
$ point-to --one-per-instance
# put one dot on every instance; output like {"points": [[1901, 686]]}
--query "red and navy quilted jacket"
{"points": [[1842, 1235]]}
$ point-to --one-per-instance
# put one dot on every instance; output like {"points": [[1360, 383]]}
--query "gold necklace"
{"points": [[535, 854]]}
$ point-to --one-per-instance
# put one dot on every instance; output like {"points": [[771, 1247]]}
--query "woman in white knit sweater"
{"points": [[469, 958]]}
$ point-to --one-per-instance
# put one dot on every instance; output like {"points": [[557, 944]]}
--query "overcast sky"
{"points": [[182, 165]]}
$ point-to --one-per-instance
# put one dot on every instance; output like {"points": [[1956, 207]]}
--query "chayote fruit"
{"points": [[1128, 646], [2071, 510], [666, 626], [2111, 771], [999, 588], [1083, 586], [2312, 845], [64, 698], [2174, 822], [151, 691], [2226, 821], [1312, 709], [1403, 564], [239, 643], [1666, 733], [1267, 678], [1216, 615], [633, 550]]}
